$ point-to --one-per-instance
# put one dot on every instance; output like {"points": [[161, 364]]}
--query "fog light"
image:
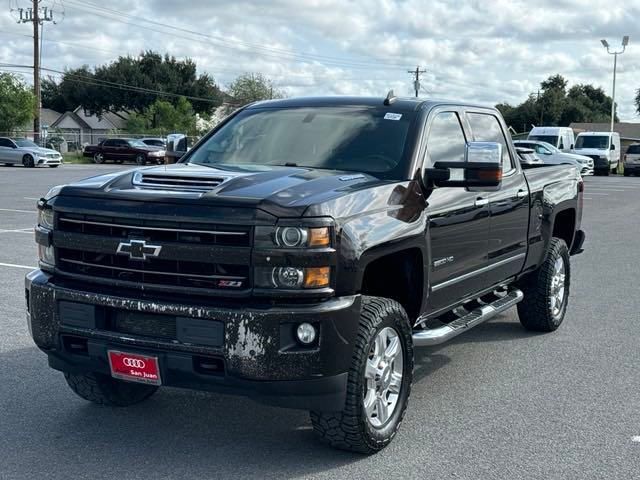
{"points": [[306, 333]]}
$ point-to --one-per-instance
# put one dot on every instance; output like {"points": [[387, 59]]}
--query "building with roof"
{"points": [[83, 128]]}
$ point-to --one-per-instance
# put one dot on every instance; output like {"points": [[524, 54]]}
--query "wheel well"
{"points": [[565, 225], [398, 276]]}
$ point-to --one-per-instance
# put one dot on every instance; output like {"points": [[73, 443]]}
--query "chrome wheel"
{"points": [[383, 377], [557, 287], [98, 158]]}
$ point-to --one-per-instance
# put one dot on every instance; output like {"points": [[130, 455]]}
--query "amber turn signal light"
{"points": [[319, 237], [316, 277]]}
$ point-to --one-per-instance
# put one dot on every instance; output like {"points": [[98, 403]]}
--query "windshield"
{"points": [[600, 142], [153, 142], [552, 139], [23, 142], [364, 139], [634, 149], [136, 143]]}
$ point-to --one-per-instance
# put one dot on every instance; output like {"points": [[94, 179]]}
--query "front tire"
{"points": [[546, 291], [28, 161], [98, 158], [141, 159], [105, 390], [379, 382]]}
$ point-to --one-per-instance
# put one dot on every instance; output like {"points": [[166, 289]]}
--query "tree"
{"points": [[163, 117], [130, 84], [555, 106], [251, 87], [17, 103]]}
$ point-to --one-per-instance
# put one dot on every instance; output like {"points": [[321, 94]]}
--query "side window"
{"points": [[109, 143], [486, 128], [446, 142], [4, 142]]}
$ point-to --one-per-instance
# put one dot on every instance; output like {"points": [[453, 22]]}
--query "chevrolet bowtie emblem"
{"points": [[138, 249]]}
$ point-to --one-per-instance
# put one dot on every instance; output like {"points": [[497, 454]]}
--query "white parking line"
{"points": [[636, 439], [17, 230], [17, 211], [596, 193], [13, 265], [31, 198], [607, 189]]}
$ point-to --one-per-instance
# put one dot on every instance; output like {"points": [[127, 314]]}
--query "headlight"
{"points": [[46, 254], [292, 278], [45, 218], [157, 153], [297, 237], [53, 192]]}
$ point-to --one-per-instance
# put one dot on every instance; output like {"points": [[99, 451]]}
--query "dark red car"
{"points": [[119, 150]]}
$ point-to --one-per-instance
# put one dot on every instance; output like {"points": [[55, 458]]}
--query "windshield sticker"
{"points": [[392, 116]]}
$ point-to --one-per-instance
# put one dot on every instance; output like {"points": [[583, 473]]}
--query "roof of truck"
{"points": [[405, 104]]}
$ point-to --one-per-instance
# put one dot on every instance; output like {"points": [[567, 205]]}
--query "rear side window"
{"points": [[486, 128], [633, 149], [5, 143], [446, 141]]}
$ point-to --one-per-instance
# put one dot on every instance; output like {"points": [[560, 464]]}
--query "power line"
{"points": [[239, 46]]}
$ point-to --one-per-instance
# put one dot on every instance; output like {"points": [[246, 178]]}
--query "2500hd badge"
{"points": [[298, 254]]}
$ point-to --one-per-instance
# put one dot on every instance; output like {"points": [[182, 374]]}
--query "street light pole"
{"points": [[605, 44]]}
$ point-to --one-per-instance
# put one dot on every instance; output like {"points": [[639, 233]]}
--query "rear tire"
{"points": [[383, 348], [28, 161], [105, 390], [627, 173], [546, 291]]}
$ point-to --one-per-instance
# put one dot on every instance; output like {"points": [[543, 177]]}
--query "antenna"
{"points": [[390, 98]]}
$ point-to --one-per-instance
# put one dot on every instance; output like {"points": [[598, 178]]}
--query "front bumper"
{"points": [[256, 347], [632, 167], [49, 161]]}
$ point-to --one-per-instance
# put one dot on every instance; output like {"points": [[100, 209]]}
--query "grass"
{"points": [[76, 158]]}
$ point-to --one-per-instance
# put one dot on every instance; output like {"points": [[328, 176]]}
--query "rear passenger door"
{"points": [[508, 206], [458, 219], [109, 150]]}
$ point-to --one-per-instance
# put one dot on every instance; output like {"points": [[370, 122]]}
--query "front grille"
{"points": [[186, 255], [168, 181]]}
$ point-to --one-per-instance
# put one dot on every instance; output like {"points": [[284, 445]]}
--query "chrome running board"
{"points": [[436, 336]]}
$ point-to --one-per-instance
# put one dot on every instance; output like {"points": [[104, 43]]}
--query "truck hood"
{"points": [[280, 191]]}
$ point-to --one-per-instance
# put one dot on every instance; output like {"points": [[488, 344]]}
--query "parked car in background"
{"points": [[631, 161], [121, 150], [603, 147], [561, 138], [27, 153], [552, 156], [528, 157], [155, 142]]}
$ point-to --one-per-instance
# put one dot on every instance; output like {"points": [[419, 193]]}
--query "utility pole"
{"points": [[37, 16], [416, 83]]}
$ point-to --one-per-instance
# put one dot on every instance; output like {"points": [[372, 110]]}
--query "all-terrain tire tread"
{"points": [[104, 390]]}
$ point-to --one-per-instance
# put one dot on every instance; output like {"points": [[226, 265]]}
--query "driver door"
{"points": [[458, 219]]}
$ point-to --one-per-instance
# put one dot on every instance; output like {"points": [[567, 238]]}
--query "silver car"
{"points": [[550, 155], [27, 153]]}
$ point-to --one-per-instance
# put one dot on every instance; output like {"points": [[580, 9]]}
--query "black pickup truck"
{"points": [[298, 254]]}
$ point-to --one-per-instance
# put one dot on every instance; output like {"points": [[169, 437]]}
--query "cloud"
{"points": [[481, 51]]}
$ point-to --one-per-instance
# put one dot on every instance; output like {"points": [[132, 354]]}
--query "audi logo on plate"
{"points": [[133, 362]]}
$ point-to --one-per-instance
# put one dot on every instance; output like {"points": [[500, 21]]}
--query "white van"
{"points": [[603, 147], [560, 137]]}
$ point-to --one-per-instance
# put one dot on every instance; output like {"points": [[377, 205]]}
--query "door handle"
{"points": [[481, 202], [522, 194]]}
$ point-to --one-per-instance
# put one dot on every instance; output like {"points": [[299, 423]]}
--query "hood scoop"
{"points": [[179, 181]]}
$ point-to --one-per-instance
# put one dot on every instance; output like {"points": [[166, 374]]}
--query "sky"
{"points": [[489, 51]]}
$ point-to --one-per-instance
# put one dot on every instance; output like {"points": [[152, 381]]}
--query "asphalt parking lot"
{"points": [[496, 403]]}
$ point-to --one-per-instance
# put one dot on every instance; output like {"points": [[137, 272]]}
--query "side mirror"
{"points": [[482, 167], [177, 146], [572, 146], [613, 147]]}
